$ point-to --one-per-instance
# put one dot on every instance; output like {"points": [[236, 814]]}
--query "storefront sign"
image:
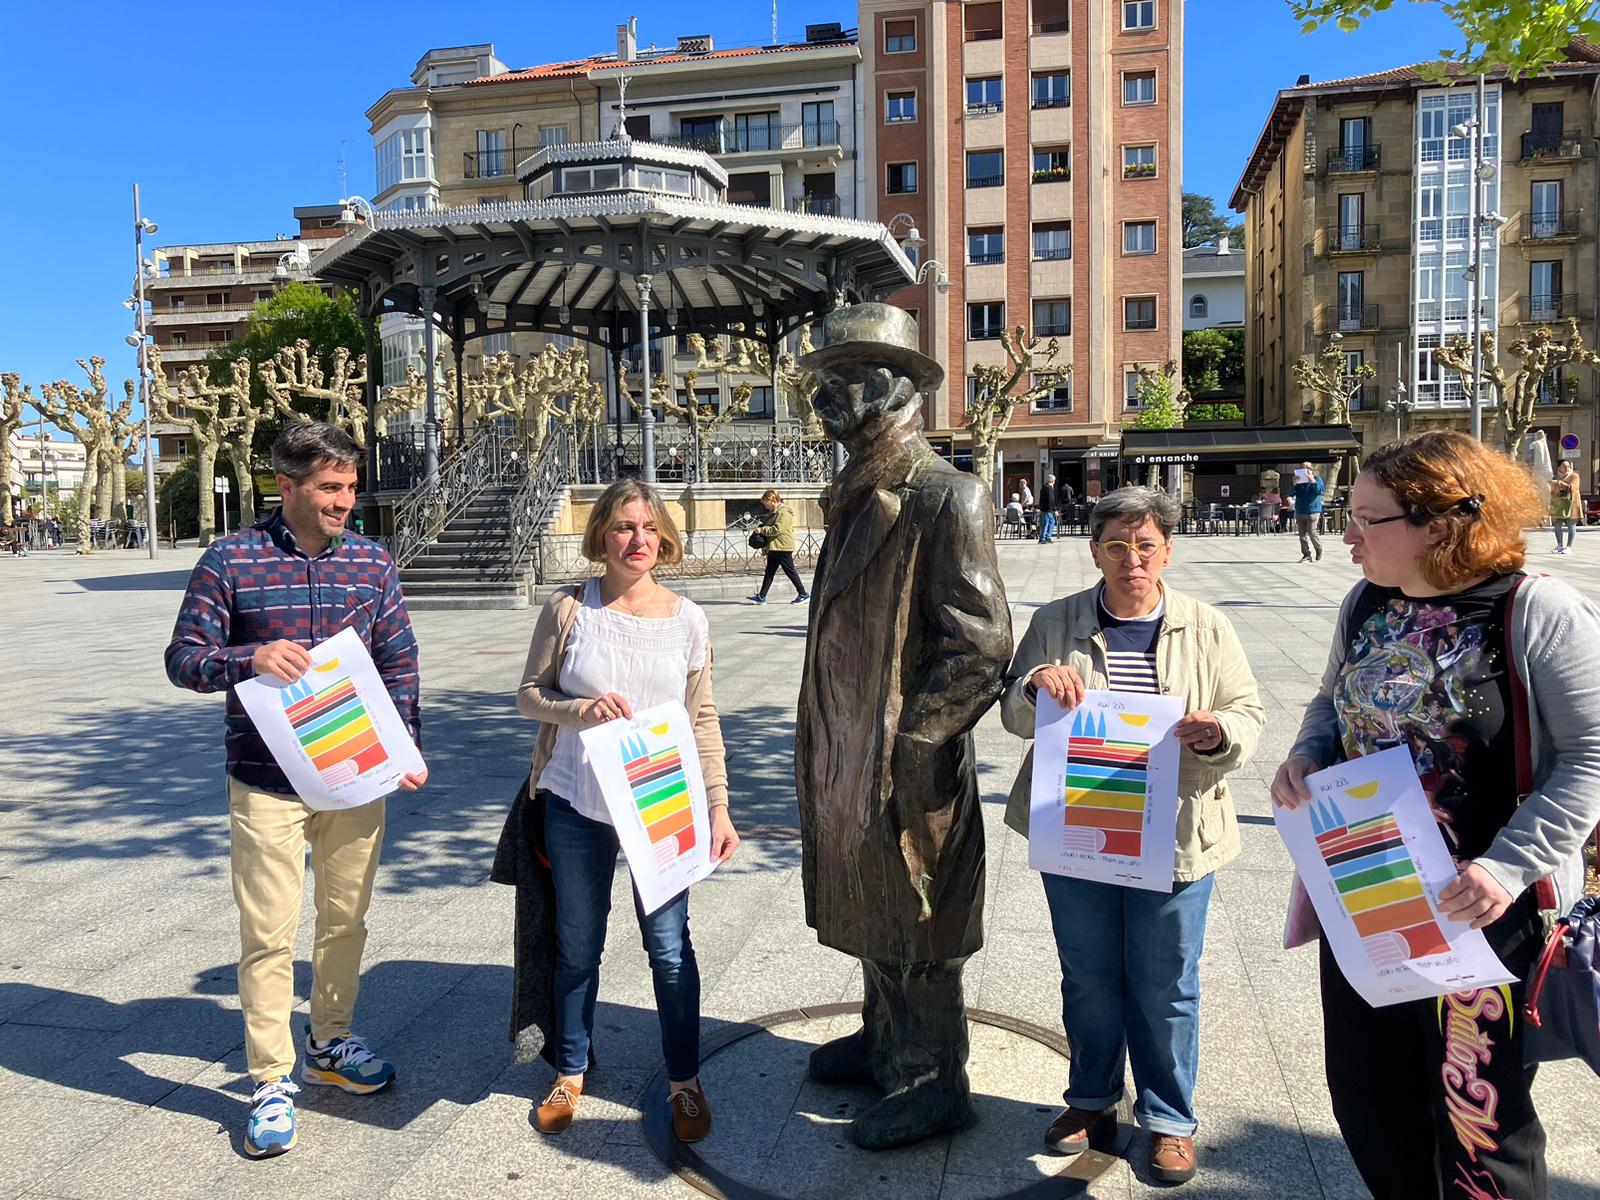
{"points": [[1164, 460]]}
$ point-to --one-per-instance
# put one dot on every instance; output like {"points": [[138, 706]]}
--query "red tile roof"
{"points": [[598, 62]]}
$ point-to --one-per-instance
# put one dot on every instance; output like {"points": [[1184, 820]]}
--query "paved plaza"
{"points": [[121, 1057]]}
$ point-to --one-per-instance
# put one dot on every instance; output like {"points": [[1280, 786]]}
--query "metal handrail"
{"points": [[1343, 159], [491, 457], [1349, 239]]}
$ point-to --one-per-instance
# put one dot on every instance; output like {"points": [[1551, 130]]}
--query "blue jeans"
{"points": [[1047, 526], [1570, 527], [1130, 988], [583, 859]]}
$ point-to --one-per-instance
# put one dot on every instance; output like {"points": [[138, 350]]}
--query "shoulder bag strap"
{"points": [[1522, 737]]}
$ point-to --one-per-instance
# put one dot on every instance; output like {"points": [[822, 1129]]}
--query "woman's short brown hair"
{"points": [[772, 494], [1484, 499], [612, 501]]}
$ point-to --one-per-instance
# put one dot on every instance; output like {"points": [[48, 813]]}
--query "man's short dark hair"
{"points": [[306, 445]]}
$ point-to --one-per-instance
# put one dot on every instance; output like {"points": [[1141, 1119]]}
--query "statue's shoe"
{"points": [[843, 1060], [921, 1111]]}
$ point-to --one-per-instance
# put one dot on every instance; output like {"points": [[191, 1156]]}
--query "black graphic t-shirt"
{"points": [[1431, 675]]}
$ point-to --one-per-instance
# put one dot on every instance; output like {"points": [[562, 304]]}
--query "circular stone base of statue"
{"points": [[778, 1136]]}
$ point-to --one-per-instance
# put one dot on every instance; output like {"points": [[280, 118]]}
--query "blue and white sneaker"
{"points": [[346, 1063], [270, 1129]]}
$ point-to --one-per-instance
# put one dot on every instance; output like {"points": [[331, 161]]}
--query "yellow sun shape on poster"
{"points": [[331, 665], [659, 730], [1363, 791], [1135, 719]]}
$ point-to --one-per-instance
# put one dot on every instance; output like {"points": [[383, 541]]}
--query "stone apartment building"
{"points": [[1037, 146], [1356, 202], [782, 120], [201, 297]]}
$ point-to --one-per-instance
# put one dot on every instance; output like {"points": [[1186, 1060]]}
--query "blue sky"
{"points": [[228, 123]]}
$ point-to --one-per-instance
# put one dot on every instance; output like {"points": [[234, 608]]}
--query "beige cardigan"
{"points": [[539, 697], [1198, 658]]}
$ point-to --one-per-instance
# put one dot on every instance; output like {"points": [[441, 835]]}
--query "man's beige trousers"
{"points": [[270, 833]]}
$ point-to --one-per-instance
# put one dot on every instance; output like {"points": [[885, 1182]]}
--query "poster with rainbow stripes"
{"points": [[334, 732], [1105, 789], [649, 770], [1373, 863]]}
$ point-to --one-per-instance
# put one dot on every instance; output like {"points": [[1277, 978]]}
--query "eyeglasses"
{"points": [[1366, 523], [1117, 551]]}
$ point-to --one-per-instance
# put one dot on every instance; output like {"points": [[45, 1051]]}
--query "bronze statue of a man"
{"points": [[909, 636]]}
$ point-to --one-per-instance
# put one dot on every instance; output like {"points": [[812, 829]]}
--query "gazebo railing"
{"points": [[491, 457]]}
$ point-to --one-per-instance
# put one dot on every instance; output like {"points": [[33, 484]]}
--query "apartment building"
{"points": [[782, 120], [1213, 286], [1357, 202], [1036, 145], [201, 296]]}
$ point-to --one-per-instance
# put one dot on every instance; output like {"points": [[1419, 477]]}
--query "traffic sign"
{"points": [[222, 485], [1569, 445]]}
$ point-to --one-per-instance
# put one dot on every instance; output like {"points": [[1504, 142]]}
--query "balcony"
{"points": [[1052, 101], [1048, 175], [986, 258], [761, 139], [1347, 160], [817, 205], [990, 109], [1347, 318], [1363, 396], [1542, 310], [1350, 239], [486, 164], [1552, 143], [1053, 329], [986, 181], [1549, 227], [1051, 253]]}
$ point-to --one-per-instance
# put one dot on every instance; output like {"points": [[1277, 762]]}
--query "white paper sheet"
{"points": [[1373, 862], [335, 732], [649, 772], [1105, 789]]}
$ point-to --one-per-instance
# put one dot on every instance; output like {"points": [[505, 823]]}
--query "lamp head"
{"points": [[913, 239], [147, 226], [133, 339], [1461, 130], [943, 283], [130, 304]]}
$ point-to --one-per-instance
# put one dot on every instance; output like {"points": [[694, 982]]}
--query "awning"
{"points": [[1275, 444]]}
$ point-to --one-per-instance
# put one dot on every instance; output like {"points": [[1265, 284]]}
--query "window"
{"points": [[986, 321], [1052, 89], [1052, 165], [1351, 292], [899, 37], [706, 134], [590, 179], [1199, 308], [219, 335], [985, 95], [1139, 312], [1139, 14], [1138, 162], [987, 245], [1544, 290], [817, 126], [756, 131], [216, 299], [761, 402], [492, 158], [178, 302], [1544, 217], [1355, 151], [986, 169], [1139, 87], [902, 178], [1352, 207], [900, 106], [1052, 241], [1058, 399], [1138, 237], [183, 447], [1050, 16], [179, 338], [552, 135], [658, 179], [403, 155], [1052, 318], [1130, 389], [984, 22]]}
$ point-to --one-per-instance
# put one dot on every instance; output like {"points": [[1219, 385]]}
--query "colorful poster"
{"points": [[1373, 862], [649, 770], [335, 731], [1105, 789]]}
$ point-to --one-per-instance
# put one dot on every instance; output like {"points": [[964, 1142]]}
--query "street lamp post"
{"points": [[1400, 405], [142, 336], [1482, 172], [647, 415]]}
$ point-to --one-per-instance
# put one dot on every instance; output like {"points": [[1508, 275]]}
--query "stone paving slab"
{"points": [[121, 1057]]}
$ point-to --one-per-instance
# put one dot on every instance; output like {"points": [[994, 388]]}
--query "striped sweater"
{"points": [[258, 586]]}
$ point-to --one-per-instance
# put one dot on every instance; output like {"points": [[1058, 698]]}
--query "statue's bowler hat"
{"points": [[878, 333]]}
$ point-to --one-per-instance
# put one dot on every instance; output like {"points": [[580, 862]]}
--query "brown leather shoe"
{"points": [[1171, 1158], [1076, 1129], [691, 1115], [559, 1107]]}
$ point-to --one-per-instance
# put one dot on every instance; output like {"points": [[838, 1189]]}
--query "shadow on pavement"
{"points": [[154, 581]]}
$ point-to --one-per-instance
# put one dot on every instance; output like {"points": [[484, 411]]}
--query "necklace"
{"points": [[644, 605]]}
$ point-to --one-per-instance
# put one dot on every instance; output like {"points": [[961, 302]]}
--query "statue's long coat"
{"points": [[909, 636]]}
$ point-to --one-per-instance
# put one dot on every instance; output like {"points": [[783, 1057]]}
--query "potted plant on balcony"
{"points": [[1138, 170], [1052, 175]]}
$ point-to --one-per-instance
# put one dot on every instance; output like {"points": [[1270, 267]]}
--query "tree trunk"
{"points": [[206, 470], [239, 451], [103, 482], [983, 444], [119, 488], [86, 491]]}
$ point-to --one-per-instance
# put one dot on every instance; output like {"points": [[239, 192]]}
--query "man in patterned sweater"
{"points": [[257, 602]]}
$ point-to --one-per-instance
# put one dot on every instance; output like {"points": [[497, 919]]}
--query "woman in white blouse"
{"points": [[614, 644]]}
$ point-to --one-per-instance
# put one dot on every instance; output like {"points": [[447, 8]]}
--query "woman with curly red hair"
{"points": [[1431, 653]]}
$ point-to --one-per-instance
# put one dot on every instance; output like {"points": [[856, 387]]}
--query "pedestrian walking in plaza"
{"points": [[1448, 649], [1047, 510], [257, 601], [1307, 493], [1566, 505], [602, 650], [778, 526], [1130, 958]]}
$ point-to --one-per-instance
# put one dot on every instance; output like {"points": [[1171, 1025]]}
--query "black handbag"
{"points": [[759, 540]]}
